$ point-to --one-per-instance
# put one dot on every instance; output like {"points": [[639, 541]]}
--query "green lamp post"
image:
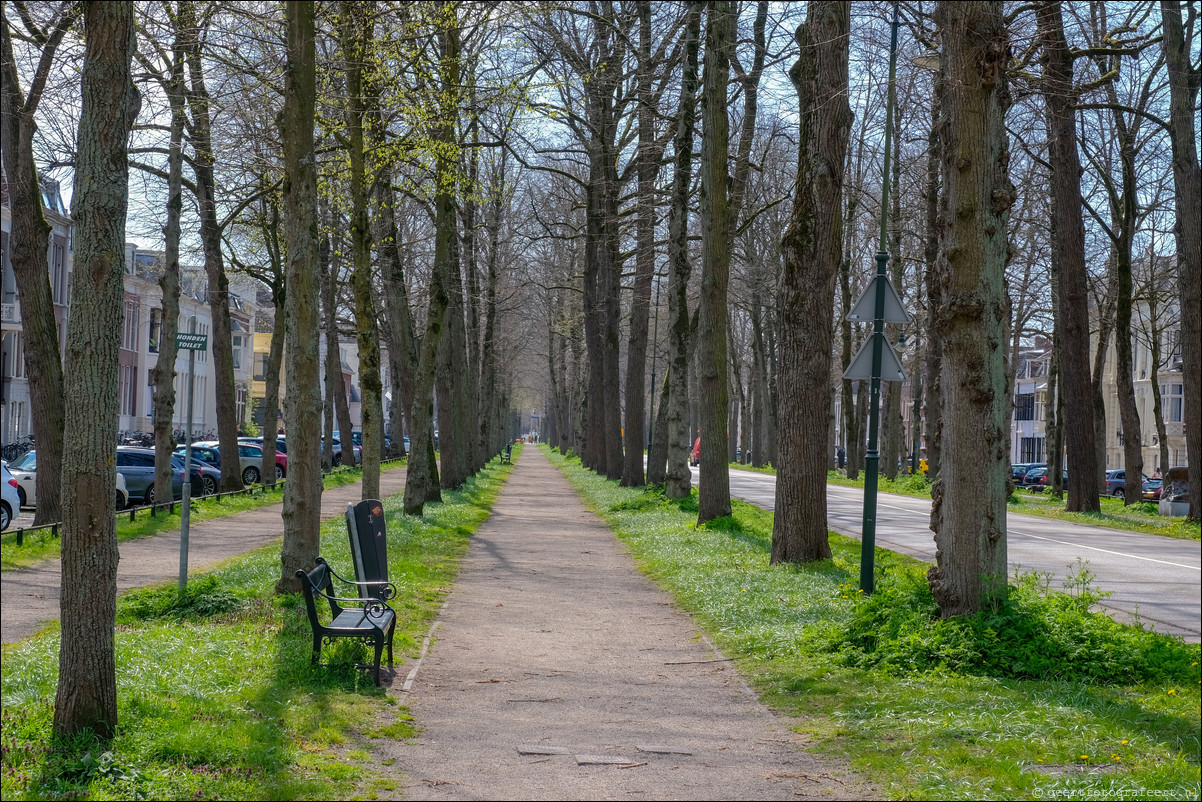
{"points": [[876, 359]]}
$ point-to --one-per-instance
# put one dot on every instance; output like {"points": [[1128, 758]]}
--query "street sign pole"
{"points": [[186, 511], [872, 459]]}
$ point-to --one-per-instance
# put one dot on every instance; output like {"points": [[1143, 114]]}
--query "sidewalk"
{"points": [[559, 671], [30, 596]]}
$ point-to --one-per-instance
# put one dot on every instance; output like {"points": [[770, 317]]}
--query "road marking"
{"points": [[1108, 551]]}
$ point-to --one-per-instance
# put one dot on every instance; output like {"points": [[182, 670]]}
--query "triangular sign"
{"points": [[865, 306], [861, 367]]}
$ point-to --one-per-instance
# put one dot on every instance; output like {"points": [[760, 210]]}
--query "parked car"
{"points": [[1018, 471], [356, 443], [356, 438], [1037, 479], [250, 458], [1151, 489], [281, 453], [25, 470], [206, 480], [1116, 482], [695, 454], [337, 451], [10, 503], [136, 464]]}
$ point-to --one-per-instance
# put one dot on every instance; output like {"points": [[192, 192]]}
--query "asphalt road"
{"points": [[1153, 578]]}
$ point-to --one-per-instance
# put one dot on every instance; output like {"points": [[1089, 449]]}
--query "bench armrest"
{"points": [[388, 591], [371, 606]]}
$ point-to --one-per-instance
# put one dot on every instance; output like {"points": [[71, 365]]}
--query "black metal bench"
{"points": [[366, 617], [506, 455]]}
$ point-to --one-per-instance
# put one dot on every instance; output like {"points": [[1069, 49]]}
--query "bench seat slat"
{"points": [[350, 620]]}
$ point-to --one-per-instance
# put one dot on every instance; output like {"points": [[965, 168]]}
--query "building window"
{"points": [[58, 269], [156, 329], [202, 355], [237, 349], [1171, 401], [18, 356], [127, 388], [1024, 408], [240, 407], [260, 367], [1031, 449], [129, 339], [16, 419]]}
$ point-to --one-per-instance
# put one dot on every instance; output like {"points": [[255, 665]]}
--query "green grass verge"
{"points": [[768, 469], [217, 698], [44, 544], [948, 727]]}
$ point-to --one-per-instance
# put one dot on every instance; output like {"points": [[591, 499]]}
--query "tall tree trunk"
{"points": [[969, 510], [474, 444], [86, 698], [163, 373], [220, 332], [1187, 181], [491, 433], [594, 453], [1157, 332], [715, 263], [356, 45], [302, 404], [853, 439], [640, 315], [455, 442], [812, 251], [402, 347], [271, 389], [678, 479], [28, 245], [566, 385], [343, 454], [657, 449], [1106, 316], [933, 364], [1133, 451], [421, 478], [612, 285], [759, 368], [331, 377], [1054, 407], [1069, 244]]}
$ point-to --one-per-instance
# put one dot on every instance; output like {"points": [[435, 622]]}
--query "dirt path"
{"points": [[559, 671], [30, 596]]}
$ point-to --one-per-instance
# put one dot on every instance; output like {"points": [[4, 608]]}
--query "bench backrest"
{"points": [[317, 580], [369, 545]]}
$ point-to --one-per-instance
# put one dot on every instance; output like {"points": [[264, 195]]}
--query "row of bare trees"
{"points": [[1067, 242], [498, 195]]}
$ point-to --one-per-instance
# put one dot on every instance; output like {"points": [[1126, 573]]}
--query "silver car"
{"points": [[25, 470]]}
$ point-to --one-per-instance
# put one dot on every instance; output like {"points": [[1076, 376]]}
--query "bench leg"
{"points": [[316, 648], [379, 652], [391, 629]]}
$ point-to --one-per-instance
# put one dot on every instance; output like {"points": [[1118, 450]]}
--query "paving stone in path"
{"points": [[559, 671]]}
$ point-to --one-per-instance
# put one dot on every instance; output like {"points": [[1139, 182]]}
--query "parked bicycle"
{"points": [[16, 448]]}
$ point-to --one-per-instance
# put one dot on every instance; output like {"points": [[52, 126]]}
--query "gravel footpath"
{"points": [[559, 671], [30, 596]]}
